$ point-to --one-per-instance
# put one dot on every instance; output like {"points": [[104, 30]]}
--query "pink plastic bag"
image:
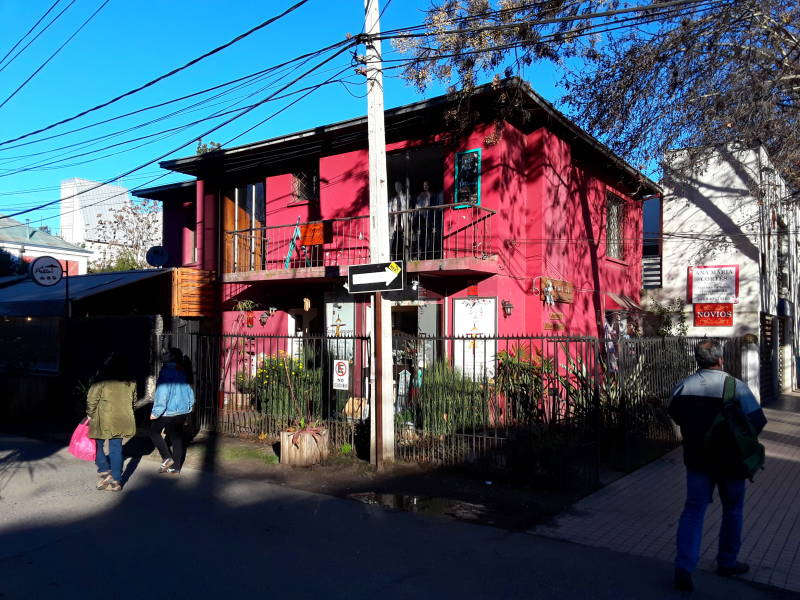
{"points": [[80, 444]]}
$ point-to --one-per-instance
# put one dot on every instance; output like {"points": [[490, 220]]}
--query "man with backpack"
{"points": [[720, 420]]}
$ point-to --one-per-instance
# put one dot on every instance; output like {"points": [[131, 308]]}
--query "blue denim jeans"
{"points": [[115, 454], [699, 492]]}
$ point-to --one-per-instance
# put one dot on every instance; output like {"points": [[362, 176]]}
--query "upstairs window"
{"points": [[615, 229], [305, 184]]}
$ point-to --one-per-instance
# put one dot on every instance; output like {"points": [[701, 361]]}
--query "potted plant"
{"points": [[247, 307], [305, 443]]}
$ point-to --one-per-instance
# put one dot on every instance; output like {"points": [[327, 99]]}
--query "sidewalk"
{"points": [[203, 535], [638, 514]]}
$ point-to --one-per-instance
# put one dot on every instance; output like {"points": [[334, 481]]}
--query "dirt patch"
{"points": [[448, 492]]}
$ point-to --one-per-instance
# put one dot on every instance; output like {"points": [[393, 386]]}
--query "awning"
{"points": [[621, 302], [28, 299]]}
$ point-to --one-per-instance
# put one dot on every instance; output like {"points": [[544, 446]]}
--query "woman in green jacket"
{"points": [[109, 406]]}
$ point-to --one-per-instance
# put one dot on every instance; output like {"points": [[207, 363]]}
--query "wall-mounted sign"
{"points": [[714, 284], [341, 375], [46, 271], [556, 290], [713, 314], [554, 326]]}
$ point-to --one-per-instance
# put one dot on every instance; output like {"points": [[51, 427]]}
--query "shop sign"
{"points": [[713, 284], [713, 314], [46, 271], [341, 375], [554, 326], [556, 290]]}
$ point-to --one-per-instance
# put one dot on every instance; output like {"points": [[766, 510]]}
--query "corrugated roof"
{"points": [[27, 298], [14, 232]]}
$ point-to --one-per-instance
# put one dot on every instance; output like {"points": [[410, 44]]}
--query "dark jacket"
{"points": [[109, 405], [694, 404]]}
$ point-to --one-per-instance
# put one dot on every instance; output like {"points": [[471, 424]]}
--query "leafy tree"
{"points": [[126, 236], [206, 148], [691, 74]]}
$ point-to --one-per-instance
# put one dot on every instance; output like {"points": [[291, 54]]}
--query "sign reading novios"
{"points": [[714, 284], [713, 315], [46, 271]]}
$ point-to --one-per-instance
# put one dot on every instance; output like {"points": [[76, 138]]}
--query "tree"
{"points": [[206, 148], [693, 74], [11, 265], [126, 236]]}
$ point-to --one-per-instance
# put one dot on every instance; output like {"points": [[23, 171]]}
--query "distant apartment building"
{"points": [[86, 205]]}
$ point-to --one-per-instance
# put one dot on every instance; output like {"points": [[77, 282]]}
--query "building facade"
{"points": [[518, 223], [729, 252], [27, 243]]}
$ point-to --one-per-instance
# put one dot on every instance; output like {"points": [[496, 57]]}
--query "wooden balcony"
{"points": [[446, 240]]}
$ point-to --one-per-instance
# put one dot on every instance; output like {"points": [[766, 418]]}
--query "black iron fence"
{"points": [[260, 385], [530, 404], [553, 408]]}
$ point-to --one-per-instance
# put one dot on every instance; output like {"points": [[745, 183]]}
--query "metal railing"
{"points": [[439, 232], [260, 385]]}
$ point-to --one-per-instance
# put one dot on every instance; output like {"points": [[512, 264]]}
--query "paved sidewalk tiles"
{"points": [[638, 514]]}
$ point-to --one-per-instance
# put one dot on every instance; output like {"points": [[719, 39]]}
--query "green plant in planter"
{"points": [[284, 387]]}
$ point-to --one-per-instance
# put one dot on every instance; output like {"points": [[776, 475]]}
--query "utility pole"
{"points": [[382, 409]]}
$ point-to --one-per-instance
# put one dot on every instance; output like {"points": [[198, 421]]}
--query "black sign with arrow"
{"points": [[378, 277]]}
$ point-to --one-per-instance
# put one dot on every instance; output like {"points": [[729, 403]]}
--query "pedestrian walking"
{"points": [[696, 406], [174, 399], [109, 407]]}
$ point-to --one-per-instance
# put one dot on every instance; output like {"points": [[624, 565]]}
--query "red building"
{"points": [[520, 223]]}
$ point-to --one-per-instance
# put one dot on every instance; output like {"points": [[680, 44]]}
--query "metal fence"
{"points": [[260, 385], [553, 408], [642, 372], [527, 404]]}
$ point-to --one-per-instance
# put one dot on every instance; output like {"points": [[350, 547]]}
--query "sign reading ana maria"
{"points": [[714, 284]]}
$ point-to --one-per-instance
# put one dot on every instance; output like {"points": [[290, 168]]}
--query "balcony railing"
{"points": [[439, 232]]}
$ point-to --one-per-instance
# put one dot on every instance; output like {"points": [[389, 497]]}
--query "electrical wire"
{"points": [[27, 33], [160, 78], [13, 58], [204, 134], [54, 54]]}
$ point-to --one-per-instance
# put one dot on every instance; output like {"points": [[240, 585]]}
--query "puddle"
{"points": [[439, 507]]}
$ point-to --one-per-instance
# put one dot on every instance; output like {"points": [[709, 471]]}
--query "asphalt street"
{"points": [[202, 535]]}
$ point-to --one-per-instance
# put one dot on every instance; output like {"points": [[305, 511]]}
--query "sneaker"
{"points": [[168, 462], [113, 486], [172, 471], [683, 580], [738, 568]]}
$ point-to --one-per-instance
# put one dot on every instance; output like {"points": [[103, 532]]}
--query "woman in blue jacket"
{"points": [[174, 399]]}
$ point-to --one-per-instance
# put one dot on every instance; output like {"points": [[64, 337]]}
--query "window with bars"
{"points": [[615, 230], [305, 184]]}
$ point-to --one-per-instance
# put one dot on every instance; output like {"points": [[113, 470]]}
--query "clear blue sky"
{"points": [[129, 43]]}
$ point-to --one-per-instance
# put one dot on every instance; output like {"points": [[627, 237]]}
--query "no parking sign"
{"points": [[341, 375]]}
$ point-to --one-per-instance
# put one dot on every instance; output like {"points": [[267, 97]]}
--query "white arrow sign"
{"points": [[383, 277]]}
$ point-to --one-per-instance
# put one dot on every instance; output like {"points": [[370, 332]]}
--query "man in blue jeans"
{"points": [[694, 404]]}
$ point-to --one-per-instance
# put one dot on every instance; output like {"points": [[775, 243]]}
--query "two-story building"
{"points": [[516, 222]]}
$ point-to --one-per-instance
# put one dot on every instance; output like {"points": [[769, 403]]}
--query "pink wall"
{"points": [[549, 222]]}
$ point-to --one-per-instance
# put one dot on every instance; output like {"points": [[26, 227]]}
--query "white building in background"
{"points": [[729, 248], [84, 205]]}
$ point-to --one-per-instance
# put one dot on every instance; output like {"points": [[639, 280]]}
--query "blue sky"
{"points": [[129, 43]]}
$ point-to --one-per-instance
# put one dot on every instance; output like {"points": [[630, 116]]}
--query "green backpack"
{"points": [[731, 444]]}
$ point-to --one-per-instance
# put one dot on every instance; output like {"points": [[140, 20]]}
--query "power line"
{"points": [[46, 27], [27, 33], [161, 77], [54, 54], [202, 135]]}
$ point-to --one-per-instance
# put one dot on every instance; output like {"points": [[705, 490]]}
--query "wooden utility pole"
{"points": [[381, 413]]}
